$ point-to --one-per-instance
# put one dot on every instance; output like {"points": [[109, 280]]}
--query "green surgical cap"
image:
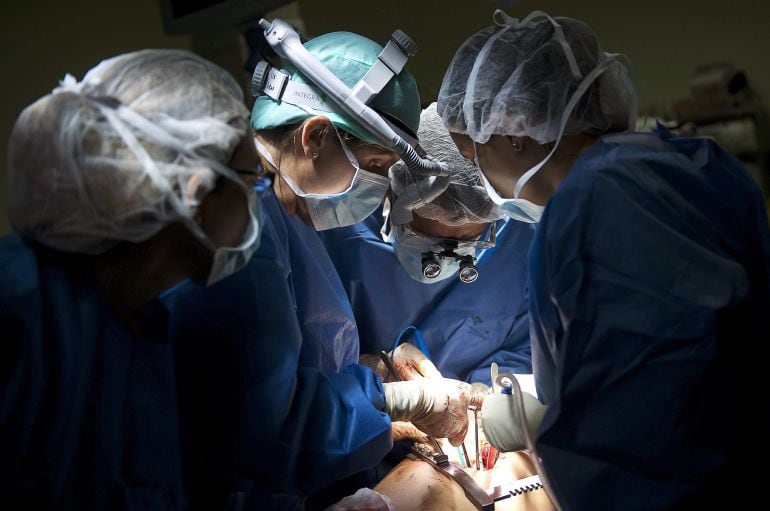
{"points": [[349, 56]]}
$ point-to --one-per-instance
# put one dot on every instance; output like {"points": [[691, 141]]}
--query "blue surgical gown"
{"points": [[466, 326], [649, 308], [270, 395], [88, 409]]}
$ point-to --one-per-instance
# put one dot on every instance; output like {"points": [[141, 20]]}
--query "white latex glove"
{"points": [[411, 363], [501, 424], [437, 407]]}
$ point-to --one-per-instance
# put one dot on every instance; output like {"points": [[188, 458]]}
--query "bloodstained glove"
{"points": [[439, 407]]}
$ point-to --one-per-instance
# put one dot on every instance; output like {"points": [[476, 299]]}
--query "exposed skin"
{"points": [[131, 274], [329, 172], [415, 485], [503, 166]]}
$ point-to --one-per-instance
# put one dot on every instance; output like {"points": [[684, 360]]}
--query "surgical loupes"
{"points": [[431, 265], [431, 262]]}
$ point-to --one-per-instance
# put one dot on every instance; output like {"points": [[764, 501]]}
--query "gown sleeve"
{"points": [[252, 408]]}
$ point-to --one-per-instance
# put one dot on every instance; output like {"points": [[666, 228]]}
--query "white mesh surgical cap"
{"points": [[465, 200], [132, 147], [516, 78]]}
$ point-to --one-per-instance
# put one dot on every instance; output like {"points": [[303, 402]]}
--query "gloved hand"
{"points": [[407, 431], [437, 407], [411, 363], [481, 387], [408, 360], [502, 425]]}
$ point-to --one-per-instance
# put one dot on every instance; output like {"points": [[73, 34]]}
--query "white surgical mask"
{"points": [[517, 208], [228, 260], [328, 211]]}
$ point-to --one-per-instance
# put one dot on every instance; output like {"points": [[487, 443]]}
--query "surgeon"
{"points": [[275, 403], [474, 310], [121, 185], [649, 277]]}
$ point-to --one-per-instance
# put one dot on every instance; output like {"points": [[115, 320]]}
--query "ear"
{"points": [[316, 132]]}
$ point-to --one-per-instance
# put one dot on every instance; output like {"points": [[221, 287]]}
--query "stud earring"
{"points": [[517, 147], [315, 155]]}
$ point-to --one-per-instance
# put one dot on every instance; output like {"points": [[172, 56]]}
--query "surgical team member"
{"points": [[277, 406], [121, 185], [466, 326], [650, 277]]}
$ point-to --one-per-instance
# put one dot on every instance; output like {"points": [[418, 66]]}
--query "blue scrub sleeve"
{"points": [[334, 429], [250, 408]]}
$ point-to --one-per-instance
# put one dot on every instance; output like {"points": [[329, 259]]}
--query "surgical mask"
{"points": [[229, 260], [430, 260], [523, 209], [517, 208], [329, 211]]}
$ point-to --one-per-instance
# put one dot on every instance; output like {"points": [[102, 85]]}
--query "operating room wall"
{"points": [[664, 40]]}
